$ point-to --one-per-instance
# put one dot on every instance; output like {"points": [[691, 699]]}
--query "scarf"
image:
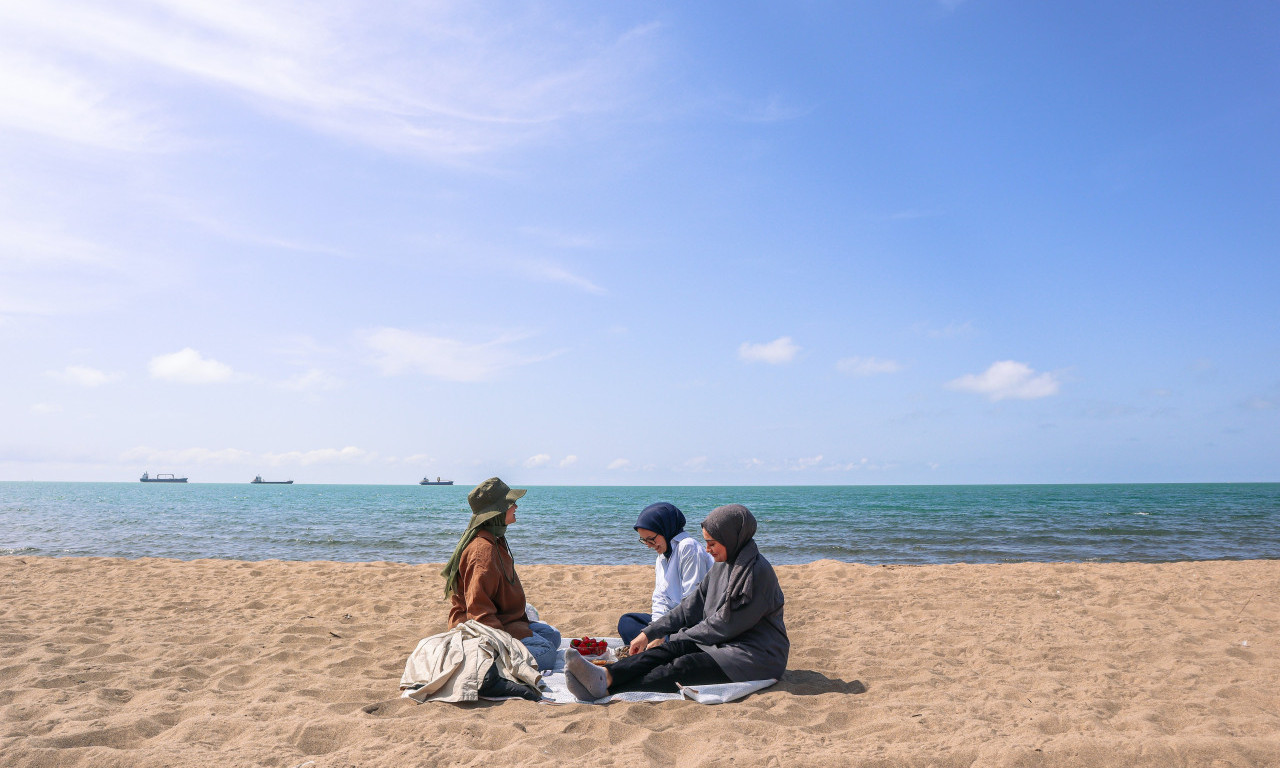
{"points": [[664, 519], [734, 526], [491, 521]]}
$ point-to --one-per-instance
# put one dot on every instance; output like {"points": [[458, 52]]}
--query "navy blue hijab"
{"points": [[664, 519]]}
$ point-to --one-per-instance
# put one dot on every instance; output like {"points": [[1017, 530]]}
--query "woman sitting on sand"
{"points": [[679, 568], [729, 630], [480, 579]]}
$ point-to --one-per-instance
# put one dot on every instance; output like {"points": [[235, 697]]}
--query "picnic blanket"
{"points": [[555, 691]]}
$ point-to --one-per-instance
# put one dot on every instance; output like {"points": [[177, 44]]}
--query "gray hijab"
{"points": [[734, 526]]}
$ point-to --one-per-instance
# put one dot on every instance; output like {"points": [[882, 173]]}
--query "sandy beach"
{"points": [[111, 662]]}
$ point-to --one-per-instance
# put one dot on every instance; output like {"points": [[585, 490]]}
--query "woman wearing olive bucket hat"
{"points": [[480, 579]]}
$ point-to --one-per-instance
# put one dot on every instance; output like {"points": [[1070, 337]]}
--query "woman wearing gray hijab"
{"points": [[729, 630]]}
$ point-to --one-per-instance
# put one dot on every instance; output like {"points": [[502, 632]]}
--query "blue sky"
{"points": [[640, 243]]}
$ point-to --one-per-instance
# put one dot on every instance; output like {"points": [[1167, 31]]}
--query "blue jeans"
{"points": [[544, 644], [632, 624]]}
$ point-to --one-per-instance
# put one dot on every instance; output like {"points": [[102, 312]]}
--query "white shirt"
{"points": [[679, 575]]}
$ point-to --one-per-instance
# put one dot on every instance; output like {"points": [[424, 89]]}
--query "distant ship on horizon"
{"points": [[161, 478], [437, 481], [259, 481]]}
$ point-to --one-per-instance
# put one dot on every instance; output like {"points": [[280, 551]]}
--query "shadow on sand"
{"points": [[805, 682]]}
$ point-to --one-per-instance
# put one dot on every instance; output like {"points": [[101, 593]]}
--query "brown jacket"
{"points": [[489, 590]]}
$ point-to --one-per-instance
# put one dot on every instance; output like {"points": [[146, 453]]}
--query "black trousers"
{"points": [[659, 669]]}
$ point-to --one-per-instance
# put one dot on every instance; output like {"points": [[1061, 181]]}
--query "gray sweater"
{"points": [[750, 642]]}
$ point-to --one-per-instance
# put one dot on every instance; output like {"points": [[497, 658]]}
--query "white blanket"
{"points": [[557, 692]]}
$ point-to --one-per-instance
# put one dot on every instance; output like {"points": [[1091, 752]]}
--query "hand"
{"points": [[640, 643], [655, 643]]}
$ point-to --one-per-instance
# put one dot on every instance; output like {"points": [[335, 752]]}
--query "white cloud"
{"points": [[619, 464], [1008, 379], [540, 460], [867, 366], [776, 352], [436, 357], [568, 461], [85, 376], [189, 367], [347, 455], [45, 408]]}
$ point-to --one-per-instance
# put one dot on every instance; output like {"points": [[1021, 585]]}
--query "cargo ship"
{"points": [[437, 481], [259, 481], [161, 478]]}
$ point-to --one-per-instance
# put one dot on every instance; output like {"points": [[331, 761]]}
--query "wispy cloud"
{"points": [[186, 456], [554, 273], [808, 462], [399, 351], [772, 109], [85, 376], [46, 98], [619, 464], [560, 239], [348, 455], [313, 380], [441, 80], [776, 352], [950, 331], [540, 460], [44, 270], [1008, 379], [179, 457], [568, 461], [697, 464], [188, 366], [867, 366]]}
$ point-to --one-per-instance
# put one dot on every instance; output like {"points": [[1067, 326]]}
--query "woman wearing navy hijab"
{"points": [[679, 568]]}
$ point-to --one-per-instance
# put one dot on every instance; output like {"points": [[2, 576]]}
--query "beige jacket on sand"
{"points": [[451, 666]]}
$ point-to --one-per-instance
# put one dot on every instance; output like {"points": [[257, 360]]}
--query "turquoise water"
{"points": [[592, 525]]}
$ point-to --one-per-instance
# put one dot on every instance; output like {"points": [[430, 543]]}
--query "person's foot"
{"points": [[585, 680]]}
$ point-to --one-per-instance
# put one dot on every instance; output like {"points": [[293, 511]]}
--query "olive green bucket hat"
{"points": [[493, 495]]}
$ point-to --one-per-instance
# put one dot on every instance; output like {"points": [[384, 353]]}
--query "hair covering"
{"points": [[489, 502], [734, 527], [664, 519]]}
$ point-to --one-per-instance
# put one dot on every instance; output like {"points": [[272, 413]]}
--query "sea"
{"points": [[593, 524]]}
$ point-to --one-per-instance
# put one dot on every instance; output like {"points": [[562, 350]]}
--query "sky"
{"points": [[648, 243]]}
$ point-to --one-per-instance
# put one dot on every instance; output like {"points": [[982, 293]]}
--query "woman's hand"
{"points": [[655, 643], [640, 643]]}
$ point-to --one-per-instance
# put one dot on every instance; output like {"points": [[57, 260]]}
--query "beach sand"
{"points": [[110, 662]]}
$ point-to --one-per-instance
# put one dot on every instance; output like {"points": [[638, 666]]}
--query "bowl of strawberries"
{"points": [[589, 646]]}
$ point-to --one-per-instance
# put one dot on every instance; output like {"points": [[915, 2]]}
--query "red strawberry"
{"points": [[574, 643]]}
